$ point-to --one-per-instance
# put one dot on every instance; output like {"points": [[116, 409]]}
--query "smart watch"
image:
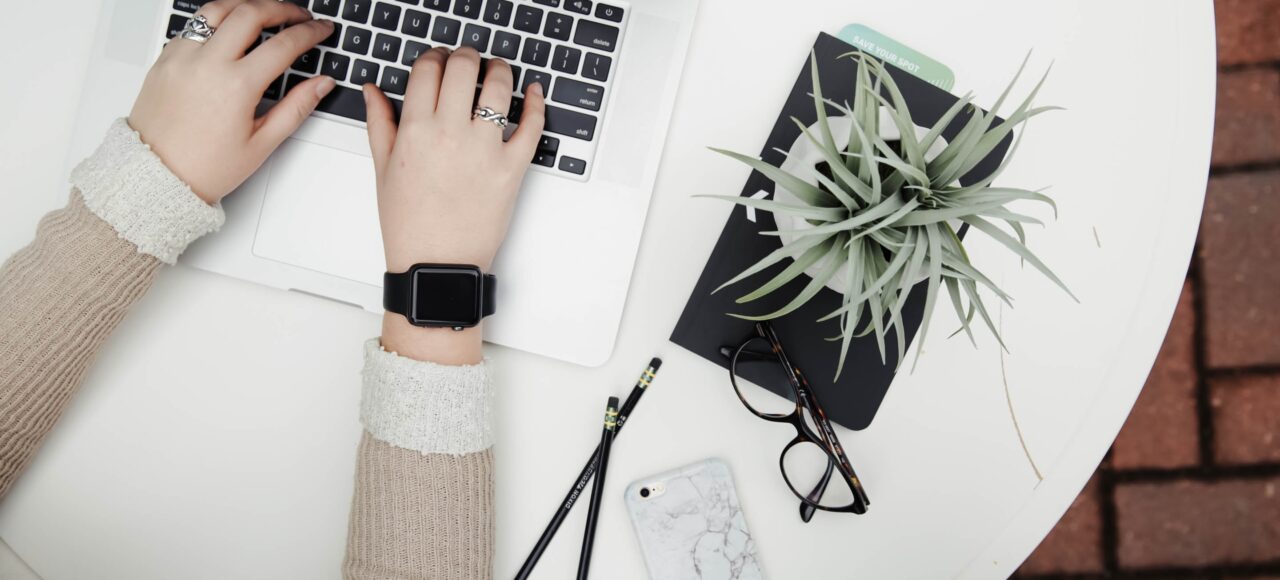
{"points": [[440, 295]]}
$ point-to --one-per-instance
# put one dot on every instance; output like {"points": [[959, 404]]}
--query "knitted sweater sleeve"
{"points": [[424, 495]]}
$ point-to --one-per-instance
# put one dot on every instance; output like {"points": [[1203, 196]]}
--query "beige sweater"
{"points": [[423, 502]]}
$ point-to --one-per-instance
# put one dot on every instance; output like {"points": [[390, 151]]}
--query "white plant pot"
{"points": [[802, 161]]}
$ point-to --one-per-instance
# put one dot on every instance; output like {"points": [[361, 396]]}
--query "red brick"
{"points": [[1248, 31], [1075, 544], [1162, 430], [1247, 128], [1240, 261], [1194, 524], [1246, 419]]}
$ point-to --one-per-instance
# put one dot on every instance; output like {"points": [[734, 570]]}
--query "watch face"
{"points": [[446, 296]]}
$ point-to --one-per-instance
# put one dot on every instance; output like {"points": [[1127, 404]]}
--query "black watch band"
{"points": [[469, 293]]}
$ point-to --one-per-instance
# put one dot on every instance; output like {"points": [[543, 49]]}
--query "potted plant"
{"points": [[870, 205]]}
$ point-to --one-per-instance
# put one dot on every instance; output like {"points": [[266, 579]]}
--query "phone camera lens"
{"points": [[644, 492]]}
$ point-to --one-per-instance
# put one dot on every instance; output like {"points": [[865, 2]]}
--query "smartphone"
{"points": [[690, 525]]}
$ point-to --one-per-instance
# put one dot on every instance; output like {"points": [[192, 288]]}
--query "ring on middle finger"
{"points": [[490, 115]]}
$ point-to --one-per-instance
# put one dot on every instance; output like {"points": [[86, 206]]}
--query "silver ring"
{"points": [[491, 116], [198, 29]]}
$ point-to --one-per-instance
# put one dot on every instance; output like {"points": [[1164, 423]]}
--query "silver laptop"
{"points": [[308, 220]]}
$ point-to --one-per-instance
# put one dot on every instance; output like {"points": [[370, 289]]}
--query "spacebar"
{"points": [[343, 101]]}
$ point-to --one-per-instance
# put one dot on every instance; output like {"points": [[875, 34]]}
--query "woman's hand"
{"points": [[446, 182], [197, 108]]}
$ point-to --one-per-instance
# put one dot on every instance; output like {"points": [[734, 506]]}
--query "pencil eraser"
{"points": [[655, 364]]}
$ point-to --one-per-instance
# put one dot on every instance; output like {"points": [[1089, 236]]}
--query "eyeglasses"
{"points": [[809, 461]]}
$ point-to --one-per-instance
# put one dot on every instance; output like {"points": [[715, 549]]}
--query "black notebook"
{"points": [[705, 326]]}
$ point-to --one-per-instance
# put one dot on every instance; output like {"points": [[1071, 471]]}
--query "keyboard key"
{"points": [[467, 8], [276, 90], [177, 22], [386, 16], [413, 50], [335, 65], [498, 12], [551, 3], [544, 159], [573, 165], [357, 40], [189, 6], [505, 45], [579, 6], [548, 143], [596, 67], [446, 30], [416, 23], [536, 76], [517, 108], [386, 47], [308, 62], [300, 3], [528, 19], [515, 76], [325, 7], [596, 35], [566, 59], [440, 5], [608, 12], [558, 26], [476, 37], [562, 121], [332, 40], [364, 72], [394, 80], [578, 94], [357, 10], [536, 52], [342, 101]]}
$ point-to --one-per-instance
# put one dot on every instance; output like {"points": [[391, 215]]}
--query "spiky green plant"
{"points": [[886, 212]]}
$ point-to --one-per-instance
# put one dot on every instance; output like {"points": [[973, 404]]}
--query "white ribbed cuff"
{"points": [[129, 187], [426, 407]]}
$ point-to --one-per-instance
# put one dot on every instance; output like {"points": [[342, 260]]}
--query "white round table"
{"points": [[215, 436]]}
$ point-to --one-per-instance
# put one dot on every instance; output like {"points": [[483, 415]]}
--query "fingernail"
{"points": [[537, 89], [325, 85]]}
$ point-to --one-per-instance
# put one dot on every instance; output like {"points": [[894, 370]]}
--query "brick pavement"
{"points": [[1191, 488]]}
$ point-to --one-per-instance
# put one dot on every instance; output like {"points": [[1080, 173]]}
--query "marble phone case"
{"points": [[694, 529]]}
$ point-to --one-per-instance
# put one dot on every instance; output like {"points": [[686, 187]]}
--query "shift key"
{"points": [[578, 94], [562, 121]]}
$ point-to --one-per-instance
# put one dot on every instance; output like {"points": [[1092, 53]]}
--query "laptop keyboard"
{"points": [[569, 46]]}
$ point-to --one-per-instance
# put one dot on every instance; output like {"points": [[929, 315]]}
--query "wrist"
{"points": [[438, 345]]}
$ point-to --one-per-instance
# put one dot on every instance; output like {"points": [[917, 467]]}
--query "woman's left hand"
{"points": [[198, 107]]}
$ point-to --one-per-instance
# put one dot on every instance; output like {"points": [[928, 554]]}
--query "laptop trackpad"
{"points": [[320, 212]]}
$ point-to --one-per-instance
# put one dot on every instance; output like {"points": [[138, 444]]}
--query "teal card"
{"points": [[899, 55]]}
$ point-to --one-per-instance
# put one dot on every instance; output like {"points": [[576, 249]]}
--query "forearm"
{"points": [[65, 293], [423, 504]]}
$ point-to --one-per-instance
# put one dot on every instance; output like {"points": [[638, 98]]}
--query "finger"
{"points": [[424, 85], [458, 88], [285, 118], [245, 24], [382, 126], [216, 12], [496, 93], [275, 55], [524, 142]]}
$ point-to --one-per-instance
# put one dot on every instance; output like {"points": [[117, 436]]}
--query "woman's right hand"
{"points": [[447, 182]]}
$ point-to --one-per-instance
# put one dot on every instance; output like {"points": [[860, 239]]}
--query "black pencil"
{"points": [[597, 490], [589, 470]]}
